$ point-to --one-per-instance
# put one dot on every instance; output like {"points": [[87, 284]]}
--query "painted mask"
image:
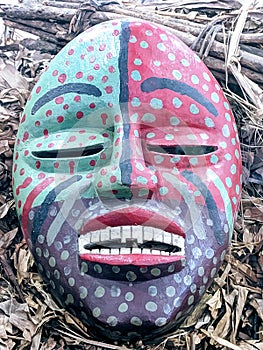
{"points": [[127, 178]]}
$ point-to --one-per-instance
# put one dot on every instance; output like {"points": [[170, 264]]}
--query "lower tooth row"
{"points": [[116, 251]]}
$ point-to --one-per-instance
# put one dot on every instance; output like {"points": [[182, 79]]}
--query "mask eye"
{"points": [[70, 152], [194, 150]]}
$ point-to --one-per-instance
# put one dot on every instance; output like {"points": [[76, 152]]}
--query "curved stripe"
{"points": [[79, 88], [65, 208], [210, 203], [154, 83], [42, 213], [29, 202], [225, 197], [194, 209]]}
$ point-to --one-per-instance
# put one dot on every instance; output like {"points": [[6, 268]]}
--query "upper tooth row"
{"points": [[140, 233]]}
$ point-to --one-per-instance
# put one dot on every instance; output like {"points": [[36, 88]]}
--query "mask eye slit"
{"points": [[182, 150], [80, 152]]}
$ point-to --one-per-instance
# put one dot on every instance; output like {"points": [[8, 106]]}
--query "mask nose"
{"points": [[128, 178]]}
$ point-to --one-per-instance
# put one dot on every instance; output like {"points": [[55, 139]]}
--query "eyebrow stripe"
{"points": [[155, 83], [79, 88]]}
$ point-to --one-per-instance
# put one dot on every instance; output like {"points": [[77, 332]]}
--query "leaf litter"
{"points": [[230, 314]]}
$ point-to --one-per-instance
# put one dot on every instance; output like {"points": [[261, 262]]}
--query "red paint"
{"points": [[141, 260], [25, 184], [59, 100], [25, 136], [29, 202], [41, 175], [72, 138], [109, 89], [71, 167], [60, 119], [113, 179], [102, 47], [104, 79], [62, 78], [90, 48], [104, 117], [77, 98], [132, 216], [111, 69], [23, 118], [79, 115]]}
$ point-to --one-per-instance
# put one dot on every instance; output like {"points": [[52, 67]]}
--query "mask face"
{"points": [[127, 178]]}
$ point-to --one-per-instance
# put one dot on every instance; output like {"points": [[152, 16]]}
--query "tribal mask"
{"points": [[127, 178]]}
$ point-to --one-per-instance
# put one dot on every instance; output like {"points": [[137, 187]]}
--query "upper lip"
{"points": [[132, 216]]}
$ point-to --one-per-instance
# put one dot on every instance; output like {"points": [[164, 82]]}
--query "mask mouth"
{"points": [[131, 245]]}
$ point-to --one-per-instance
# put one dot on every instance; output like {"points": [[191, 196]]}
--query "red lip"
{"points": [[132, 216], [140, 260]]}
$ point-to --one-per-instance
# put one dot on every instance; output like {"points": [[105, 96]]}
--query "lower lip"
{"points": [[131, 259]]}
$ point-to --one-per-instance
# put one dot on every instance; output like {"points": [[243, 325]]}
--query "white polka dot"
{"points": [[136, 321], [151, 306], [96, 312], [187, 280], [112, 321], [170, 291], [161, 321], [225, 130], [123, 307]]}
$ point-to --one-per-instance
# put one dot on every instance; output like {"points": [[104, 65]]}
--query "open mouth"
{"points": [[131, 245]]}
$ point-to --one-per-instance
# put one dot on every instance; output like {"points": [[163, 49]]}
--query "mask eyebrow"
{"points": [[154, 83], [80, 88]]}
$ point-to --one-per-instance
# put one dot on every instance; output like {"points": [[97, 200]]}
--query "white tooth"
{"points": [[104, 235], [137, 233], [136, 251], [176, 253], [115, 251], [158, 236], [82, 250], [95, 251], [146, 251], [95, 236], [126, 233], [167, 238], [125, 251], [147, 233], [104, 251], [178, 241], [164, 253], [84, 239], [115, 233], [155, 252]]}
